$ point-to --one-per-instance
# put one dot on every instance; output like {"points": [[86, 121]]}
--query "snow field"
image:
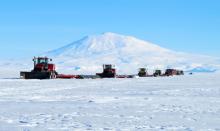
{"points": [[182, 103]]}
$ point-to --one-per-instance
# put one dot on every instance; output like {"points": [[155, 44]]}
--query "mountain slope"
{"points": [[127, 53]]}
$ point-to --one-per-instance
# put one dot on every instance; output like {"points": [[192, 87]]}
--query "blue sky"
{"points": [[29, 27]]}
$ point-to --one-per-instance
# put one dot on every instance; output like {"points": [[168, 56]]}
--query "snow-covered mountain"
{"points": [[127, 53]]}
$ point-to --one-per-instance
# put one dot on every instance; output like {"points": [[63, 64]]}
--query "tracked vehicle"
{"points": [[142, 72], [157, 73], [109, 71], [43, 69]]}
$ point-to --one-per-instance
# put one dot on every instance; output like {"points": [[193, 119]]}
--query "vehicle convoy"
{"points": [[43, 69], [169, 72], [109, 71]]}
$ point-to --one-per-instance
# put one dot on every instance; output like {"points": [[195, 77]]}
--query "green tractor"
{"points": [[157, 73], [142, 72]]}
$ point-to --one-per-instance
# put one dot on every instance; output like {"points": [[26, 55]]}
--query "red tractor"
{"points": [[42, 69], [171, 72], [109, 71]]}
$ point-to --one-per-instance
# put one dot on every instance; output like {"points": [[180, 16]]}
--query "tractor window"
{"points": [[42, 61], [108, 66], [142, 69]]}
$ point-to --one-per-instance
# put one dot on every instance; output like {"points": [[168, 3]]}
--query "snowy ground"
{"points": [[182, 103]]}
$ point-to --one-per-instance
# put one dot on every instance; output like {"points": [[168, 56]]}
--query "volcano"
{"points": [[127, 53]]}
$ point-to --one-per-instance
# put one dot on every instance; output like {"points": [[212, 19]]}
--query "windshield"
{"points": [[107, 66], [42, 60]]}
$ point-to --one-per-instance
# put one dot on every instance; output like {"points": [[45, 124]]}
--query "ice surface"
{"points": [[185, 103]]}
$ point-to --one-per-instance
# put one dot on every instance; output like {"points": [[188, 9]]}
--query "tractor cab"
{"points": [[108, 67], [157, 73], [142, 72], [42, 64], [41, 60], [109, 71]]}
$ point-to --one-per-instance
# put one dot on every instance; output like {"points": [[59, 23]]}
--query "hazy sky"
{"points": [[29, 27]]}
